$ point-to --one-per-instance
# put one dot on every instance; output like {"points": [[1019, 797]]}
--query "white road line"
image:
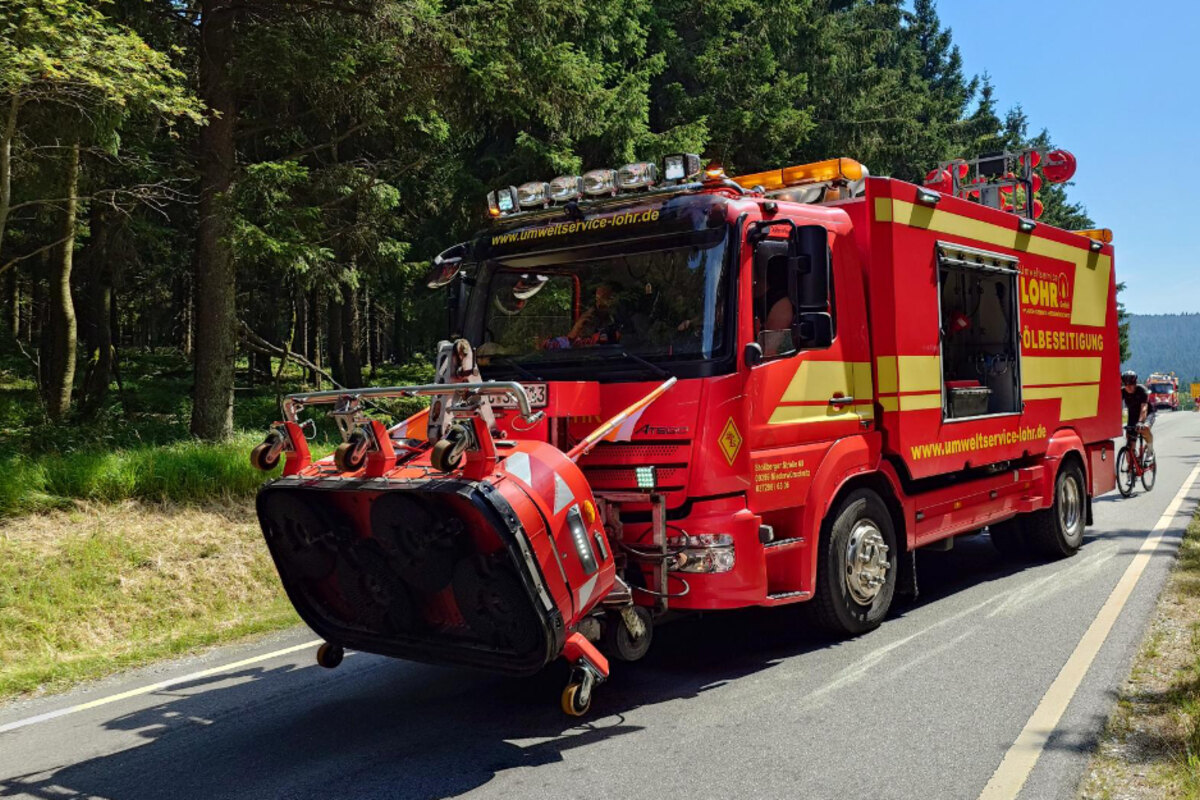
{"points": [[153, 687], [1010, 776]]}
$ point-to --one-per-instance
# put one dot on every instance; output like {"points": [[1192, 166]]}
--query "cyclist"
{"points": [[1137, 402]]}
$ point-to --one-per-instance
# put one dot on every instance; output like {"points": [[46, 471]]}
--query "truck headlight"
{"points": [[705, 553]]}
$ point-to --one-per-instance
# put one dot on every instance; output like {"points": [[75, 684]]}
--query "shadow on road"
{"points": [[399, 730], [383, 728]]}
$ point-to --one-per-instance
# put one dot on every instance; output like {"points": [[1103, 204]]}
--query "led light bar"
{"points": [[834, 170], [645, 477]]}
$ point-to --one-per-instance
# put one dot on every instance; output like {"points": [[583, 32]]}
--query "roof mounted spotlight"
{"points": [[566, 187], [502, 201], [600, 182], [927, 197], [1096, 246], [637, 176], [1026, 225], [680, 166], [535, 194]]}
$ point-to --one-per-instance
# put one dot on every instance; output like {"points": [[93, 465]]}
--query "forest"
{"points": [[203, 201], [1165, 343]]}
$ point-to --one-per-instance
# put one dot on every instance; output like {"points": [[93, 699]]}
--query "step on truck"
{"points": [[675, 391]]}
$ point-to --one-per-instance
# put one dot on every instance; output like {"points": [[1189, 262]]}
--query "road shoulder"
{"points": [[1150, 747]]}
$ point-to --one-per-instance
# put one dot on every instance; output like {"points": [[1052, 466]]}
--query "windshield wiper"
{"points": [[512, 362], [650, 365]]}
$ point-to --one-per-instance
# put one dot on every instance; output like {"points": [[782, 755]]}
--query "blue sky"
{"points": [[1118, 84]]}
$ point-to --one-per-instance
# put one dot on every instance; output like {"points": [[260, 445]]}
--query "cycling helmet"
{"points": [[1129, 377]]}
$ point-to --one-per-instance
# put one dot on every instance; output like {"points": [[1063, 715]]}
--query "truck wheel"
{"points": [[619, 643], [1057, 532], [1008, 538], [856, 571]]}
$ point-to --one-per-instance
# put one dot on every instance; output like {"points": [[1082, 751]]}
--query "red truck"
{"points": [[1164, 390], [679, 391]]}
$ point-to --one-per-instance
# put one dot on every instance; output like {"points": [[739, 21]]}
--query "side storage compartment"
{"points": [[1102, 468]]}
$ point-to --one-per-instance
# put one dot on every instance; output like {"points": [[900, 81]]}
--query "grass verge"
{"points": [[90, 591], [1150, 748]]}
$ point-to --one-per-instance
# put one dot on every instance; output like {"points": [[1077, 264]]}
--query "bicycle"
{"points": [[1141, 465]]}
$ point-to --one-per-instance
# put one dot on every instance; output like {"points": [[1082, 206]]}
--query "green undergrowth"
{"points": [[138, 446], [180, 472]]}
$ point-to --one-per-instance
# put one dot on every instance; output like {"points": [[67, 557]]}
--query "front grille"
{"points": [[625, 479], [626, 453]]}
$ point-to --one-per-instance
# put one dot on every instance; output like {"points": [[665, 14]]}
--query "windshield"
{"points": [[1161, 388], [643, 305]]}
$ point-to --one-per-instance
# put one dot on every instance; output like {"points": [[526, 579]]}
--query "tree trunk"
{"points": [[56, 357], [351, 340], [300, 312], [97, 326], [215, 289], [316, 320], [12, 293], [8, 132], [336, 351]]}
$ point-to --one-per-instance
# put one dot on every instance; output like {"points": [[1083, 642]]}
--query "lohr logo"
{"points": [[1043, 290]]}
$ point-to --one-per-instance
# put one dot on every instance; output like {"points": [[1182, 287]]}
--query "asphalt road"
{"points": [[741, 705]]}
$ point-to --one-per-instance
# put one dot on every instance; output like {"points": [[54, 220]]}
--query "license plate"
{"points": [[537, 397]]}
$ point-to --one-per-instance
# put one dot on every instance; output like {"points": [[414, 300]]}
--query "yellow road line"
{"points": [[153, 687], [1019, 761]]}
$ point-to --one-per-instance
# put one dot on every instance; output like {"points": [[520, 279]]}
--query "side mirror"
{"points": [[446, 266], [753, 354], [813, 330], [810, 292]]}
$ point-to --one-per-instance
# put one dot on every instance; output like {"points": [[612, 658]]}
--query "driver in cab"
{"points": [[773, 310], [598, 323]]}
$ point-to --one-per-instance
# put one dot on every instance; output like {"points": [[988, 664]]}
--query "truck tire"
{"points": [[1008, 538], [857, 566], [1057, 532]]}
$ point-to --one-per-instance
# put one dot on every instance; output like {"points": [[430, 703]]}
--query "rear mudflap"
{"points": [[439, 571]]}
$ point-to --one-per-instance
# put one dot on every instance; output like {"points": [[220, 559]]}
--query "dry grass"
{"points": [[88, 591], [1150, 748]]}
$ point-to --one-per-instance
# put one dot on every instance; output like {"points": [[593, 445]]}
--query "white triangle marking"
{"points": [[562, 494], [518, 466], [585, 591]]}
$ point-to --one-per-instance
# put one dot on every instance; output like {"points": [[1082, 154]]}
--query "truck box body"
{"points": [[1063, 372]]}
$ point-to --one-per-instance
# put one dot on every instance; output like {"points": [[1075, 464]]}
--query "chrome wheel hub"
{"points": [[1070, 508], [866, 562]]}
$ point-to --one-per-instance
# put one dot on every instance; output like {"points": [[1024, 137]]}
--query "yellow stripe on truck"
{"points": [[1049, 370], [920, 402], [919, 373], [827, 413], [1077, 401], [1092, 270], [817, 381]]}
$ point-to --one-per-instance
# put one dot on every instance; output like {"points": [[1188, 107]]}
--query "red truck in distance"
{"points": [[673, 390], [1164, 390]]}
